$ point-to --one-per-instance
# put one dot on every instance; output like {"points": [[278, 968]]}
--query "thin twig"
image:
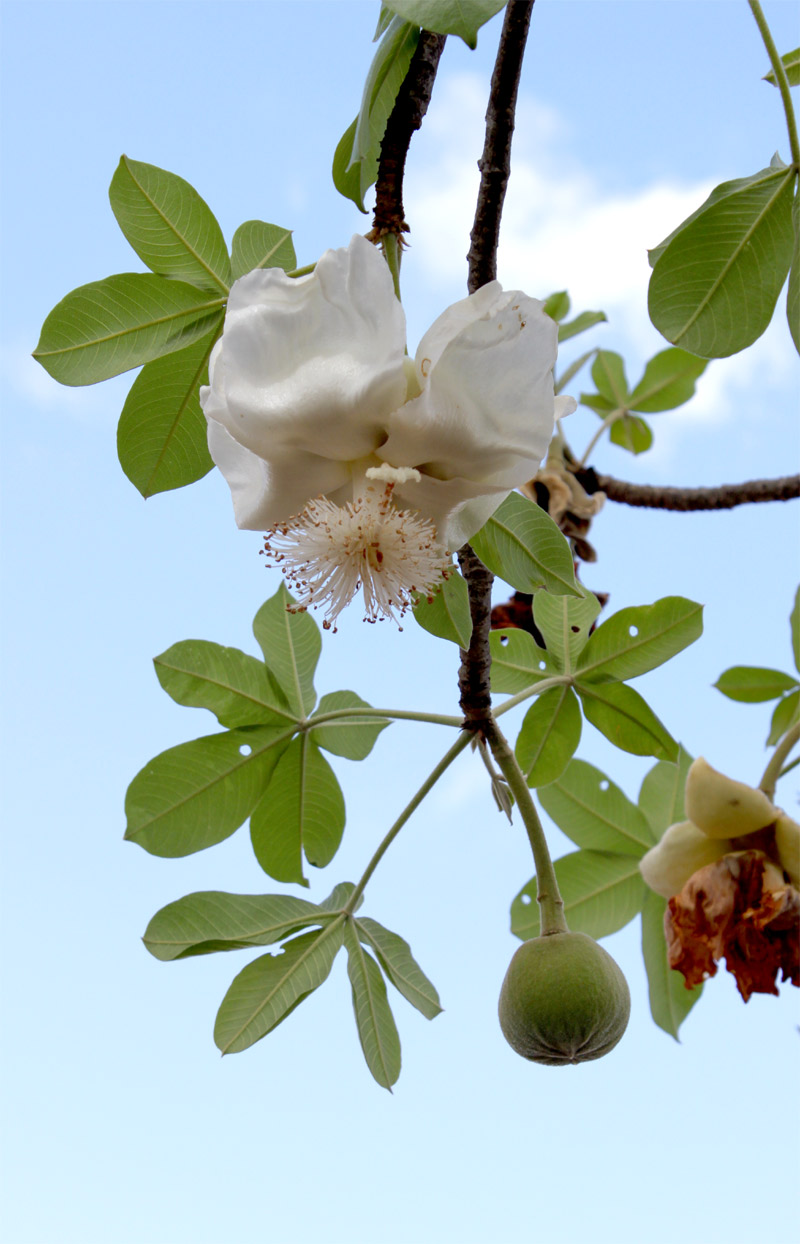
{"points": [[406, 117], [722, 497], [495, 166]]}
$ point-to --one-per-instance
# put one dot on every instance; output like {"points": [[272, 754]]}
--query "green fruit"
{"points": [[564, 1000]]}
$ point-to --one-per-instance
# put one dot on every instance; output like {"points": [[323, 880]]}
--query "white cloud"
{"points": [[28, 382]]}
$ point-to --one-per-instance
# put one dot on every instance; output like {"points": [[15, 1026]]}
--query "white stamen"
{"points": [[394, 475], [328, 551]]}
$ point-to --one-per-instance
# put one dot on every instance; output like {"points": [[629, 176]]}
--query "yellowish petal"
{"points": [[681, 852], [722, 807]]}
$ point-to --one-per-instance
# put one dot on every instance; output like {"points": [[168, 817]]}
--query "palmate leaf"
{"points": [[402, 969], [716, 279], [661, 793], [639, 639], [107, 327], [353, 737], [523, 545], [670, 1000], [550, 733], [592, 811], [517, 660], [446, 614], [291, 644], [210, 921], [565, 623], [586, 319], [162, 440], [270, 987], [236, 687], [195, 795], [752, 684], [602, 892], [448, 17], [669, 380], [259, 245], [169, 225], [301, 812], [631, 433], [353, 180], [626, 719], [377, 1030]]}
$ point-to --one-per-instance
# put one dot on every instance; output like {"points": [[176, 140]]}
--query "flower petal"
{"points": [[722, 807], [486, 412], [681, 852], [311, 364]]}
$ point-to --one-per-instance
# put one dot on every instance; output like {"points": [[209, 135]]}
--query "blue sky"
{"points": [[125, 1125]]}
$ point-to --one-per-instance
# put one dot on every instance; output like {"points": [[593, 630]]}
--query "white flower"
{"points": [[312, 403]]}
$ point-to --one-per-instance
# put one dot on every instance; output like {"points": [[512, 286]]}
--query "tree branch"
{"points": [[495, 167], [722, 497], [406, 117]]}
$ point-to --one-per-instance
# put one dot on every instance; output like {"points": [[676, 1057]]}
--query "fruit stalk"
{"points": [[551, 904]]}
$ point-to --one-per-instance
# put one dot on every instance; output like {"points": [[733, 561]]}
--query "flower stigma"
{"points": [[328, 551]]}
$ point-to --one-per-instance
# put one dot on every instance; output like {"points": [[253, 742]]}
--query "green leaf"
{"points": [[195, 795], [626, 719], [717, 278], [670, 1000], [395, 957], [595, 401], [793, 292], [291, 644], [791, 63], [550, 733], [162, 439], [594, 813], [169, 226], [302, 810], [269, 988], [259, 245], [565, 623], [377, 1030], [353, 737], [446, 613], [668, 381], [602, 892], [786, 715], [339, 897], [523, 545], [636, 640], [353, 180], [236, 687], [661, 793], [210, 921], [608, 373], [448, 17], [586, 319], [110, 326], [517, 661], [557, 305], [631, 433], [564, 379], [752, 684], [794, 623]]}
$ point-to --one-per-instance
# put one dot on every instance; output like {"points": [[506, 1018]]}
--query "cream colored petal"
{"points": [[787, 840], [681, 852], [722, 807]]}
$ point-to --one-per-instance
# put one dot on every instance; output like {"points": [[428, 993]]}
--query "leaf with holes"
{"points": [[523, 545], [259, 245], [107, 327], [395, 957], [517, 661], [210, 921], [169, 226], [195, 795], [377, 1030], [551, 731], [639, 639], [270, 988], [751, 684], [661, 793], [565, 623], [236, 687], [626, 719], [602, 892], [301, 811], [595, 813], [162, 440], [716, 279], [670, 1000], [446, 614], [352, 736], [291, 644]]}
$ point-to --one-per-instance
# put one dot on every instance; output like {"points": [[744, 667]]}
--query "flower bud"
{"points": [[722, 807]]}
